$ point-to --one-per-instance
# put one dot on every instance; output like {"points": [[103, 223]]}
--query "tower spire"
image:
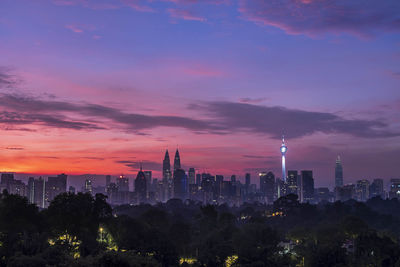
{"points": [[283, 152], [177, 160]]}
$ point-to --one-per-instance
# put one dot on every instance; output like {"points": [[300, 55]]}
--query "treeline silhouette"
{"points": [[82, 230]]}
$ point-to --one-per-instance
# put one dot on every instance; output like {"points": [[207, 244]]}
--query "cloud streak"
{"points": [[294, 123], [312, 17], [185, 15], [25, 111]]}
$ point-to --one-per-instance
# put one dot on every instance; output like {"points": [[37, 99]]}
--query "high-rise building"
{"points": [[198, 179], [71, 189], [166, 166], [323, 194], [177, 160], [6, 180], [55, 186], [108, 180], [267, 185], [362, 190], [192, 176], [36, 191], [180, 184], [167, 178], [338, 173], [394, 188], [233, 179], [247, 183], [308, 186], [376, 189], [88, 186], [283, 152], [345, 192], [291, 183], [148, 175], [247, 180], [122, 183], [140, 187]]}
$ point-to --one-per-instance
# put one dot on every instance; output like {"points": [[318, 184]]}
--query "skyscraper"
{"points": [[338, 173], [167, 178], [108, 180], [166, 166], [292, 183], [55, 186], [180, 184], [88, 186], [36, 191], [177, 160], [140, 186], [247, 183], [308, 186], [376, 188], [283, 151], [267, 185], [192, 176], [394, 188], [122, 183], [362, 190], [148, 175]]}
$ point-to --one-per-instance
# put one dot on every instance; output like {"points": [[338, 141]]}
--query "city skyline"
{"points": [[96, 87]]}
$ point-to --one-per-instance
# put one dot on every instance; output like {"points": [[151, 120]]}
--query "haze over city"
{"points": [[95, 87]]}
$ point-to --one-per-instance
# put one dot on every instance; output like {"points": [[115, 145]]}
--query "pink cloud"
{"points": [[215, 2], [137, 5], [74, 28], [93, 4], [312, 17], [185, 14]]}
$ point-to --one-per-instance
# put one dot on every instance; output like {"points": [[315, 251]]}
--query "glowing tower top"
{"points": [[283, 151]]}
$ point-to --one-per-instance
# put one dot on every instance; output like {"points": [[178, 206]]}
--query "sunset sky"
{"points": [[96, 86]]}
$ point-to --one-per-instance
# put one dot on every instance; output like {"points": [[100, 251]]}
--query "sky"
{"points": [[97, 86]]}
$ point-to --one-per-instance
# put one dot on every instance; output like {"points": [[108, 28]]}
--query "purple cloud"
{"points": [[185, 14], [294, 123], [312, 17]]}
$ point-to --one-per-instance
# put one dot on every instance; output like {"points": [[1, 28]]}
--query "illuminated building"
{"points": [[338, 173], [88, 186], [36, 191], [283, 152], [122, 183], [394, 188], [292, 187], [362, 190]]}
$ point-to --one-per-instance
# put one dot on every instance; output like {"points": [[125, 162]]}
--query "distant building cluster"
{"points": [[204, 187], [38, 191]]}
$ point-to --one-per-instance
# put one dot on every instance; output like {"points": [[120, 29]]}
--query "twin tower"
{"points": [[167, 174]]}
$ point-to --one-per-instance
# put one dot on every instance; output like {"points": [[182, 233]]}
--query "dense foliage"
{"points": [[81, 230]]}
